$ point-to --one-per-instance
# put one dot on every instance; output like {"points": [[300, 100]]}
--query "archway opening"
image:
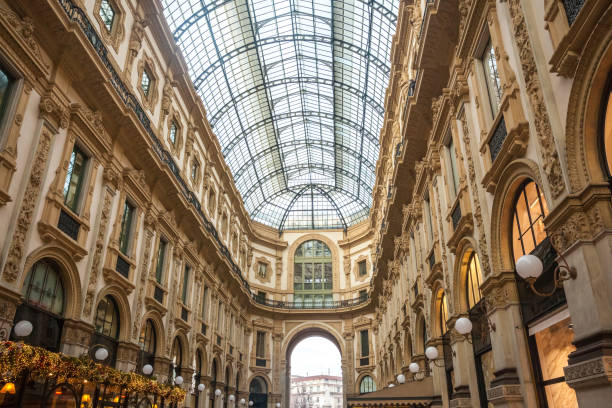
{"points": [[315, 372]]}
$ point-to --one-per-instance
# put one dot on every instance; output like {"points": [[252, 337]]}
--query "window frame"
{"points": [[495, 100], [125, 237], [115, 322], [146, 74], [8, 104], [162, 248], [521, 192], [76, 207], [59, 285], [470, 284], [103, 17], [151, 341], [185, 284]]}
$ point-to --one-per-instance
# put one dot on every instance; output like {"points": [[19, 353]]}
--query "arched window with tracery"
{"points": [[367, 385], [43, 306], [528, 219], [312, 274]]}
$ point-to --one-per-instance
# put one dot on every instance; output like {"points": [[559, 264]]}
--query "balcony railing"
{"points": [[68, 225], [456, 216], [323, 304], [497, 139], [572, 8]]}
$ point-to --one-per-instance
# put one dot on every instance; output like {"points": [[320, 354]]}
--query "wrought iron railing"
{"points": [[572, 8], [123, 267], [323, 304], [497, 139], [158, 294], [67, 224], [456, 216]]}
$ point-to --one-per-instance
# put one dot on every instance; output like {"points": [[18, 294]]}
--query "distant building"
{"points": [[316, 391]]}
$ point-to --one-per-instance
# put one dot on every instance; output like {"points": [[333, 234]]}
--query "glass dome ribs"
{"points": [[294, 90]]}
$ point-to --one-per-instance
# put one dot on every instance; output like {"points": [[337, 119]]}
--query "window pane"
{"points": [[126, 227], [453, 166], [107, 14], [145, 82], [185, 284], [173, 132], [554, 345], [489, 63], [161, 253], [74, 178], [5, 91]]}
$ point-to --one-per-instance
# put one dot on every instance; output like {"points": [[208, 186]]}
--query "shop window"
{"points": [[528, 219], [127, 219], [107, 318], [489, 64], [107, 14], [554, 344], [367, 385]]}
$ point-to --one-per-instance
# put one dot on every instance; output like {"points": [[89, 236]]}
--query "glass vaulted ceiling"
{"points": [[294, 90]]}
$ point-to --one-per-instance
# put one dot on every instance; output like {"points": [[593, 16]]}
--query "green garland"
{"points": [[15, 358]]}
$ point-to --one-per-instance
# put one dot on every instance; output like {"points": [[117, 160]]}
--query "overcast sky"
{"points": [[315, 355]]}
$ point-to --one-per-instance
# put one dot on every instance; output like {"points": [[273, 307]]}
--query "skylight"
{"points": [[294, 90]]}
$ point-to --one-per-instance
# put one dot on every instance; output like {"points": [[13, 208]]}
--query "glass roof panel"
{"points": [[294, 90]]}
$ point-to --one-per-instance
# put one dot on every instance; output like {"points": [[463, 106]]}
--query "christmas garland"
{"points": [[17, 358]]}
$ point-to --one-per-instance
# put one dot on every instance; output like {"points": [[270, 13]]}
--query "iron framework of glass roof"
{"points": [[294, 90]]}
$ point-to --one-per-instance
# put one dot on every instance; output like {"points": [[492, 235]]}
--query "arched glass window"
{"points": [[312, 273], [443, 310], [43, 287], [528, 219], [107, 318], [607, 130], [366, 385], [148, 337], [472, 281]]}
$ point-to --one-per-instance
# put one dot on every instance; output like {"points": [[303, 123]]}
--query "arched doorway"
{"points": [[330, 384], [258, 392]]}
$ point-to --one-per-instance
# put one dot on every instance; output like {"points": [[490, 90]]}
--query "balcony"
{"points": [[333, 304]]}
